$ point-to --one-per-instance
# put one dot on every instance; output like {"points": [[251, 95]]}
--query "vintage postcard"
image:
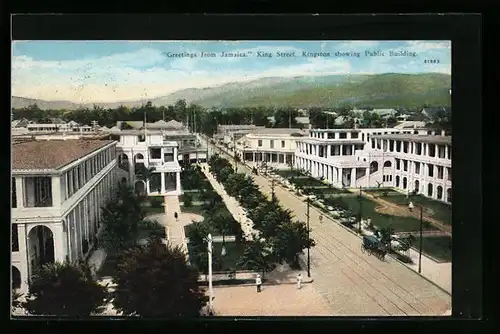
{"points": [[223, 178]]}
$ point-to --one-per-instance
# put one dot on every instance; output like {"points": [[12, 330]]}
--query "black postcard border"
{"points": [[463, 30]]}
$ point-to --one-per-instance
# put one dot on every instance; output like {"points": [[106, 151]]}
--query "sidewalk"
{"points": [[231, 203], [175, 227]]}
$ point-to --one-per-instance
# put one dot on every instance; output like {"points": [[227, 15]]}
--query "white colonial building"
{"points": [[411, 160], [58, 188], [164, 146], [275, 146]]}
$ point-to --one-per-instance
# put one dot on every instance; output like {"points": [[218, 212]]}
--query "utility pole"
{"points": [[210, 289], [235, 155], [308, 231], [196, 136], [420, 248], [360, 210]]}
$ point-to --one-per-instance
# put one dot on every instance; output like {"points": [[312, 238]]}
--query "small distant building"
{"points": [[431, 111], [385, 113]]}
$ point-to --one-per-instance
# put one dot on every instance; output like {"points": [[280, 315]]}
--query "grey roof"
{"points": [[298, 119], [433, 139], [279, 131]]}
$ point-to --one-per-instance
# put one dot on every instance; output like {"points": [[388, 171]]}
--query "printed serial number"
{"points": [[431, 61]]}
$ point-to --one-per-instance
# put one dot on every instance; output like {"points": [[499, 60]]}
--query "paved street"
{"points": [[354, 283], [274, 300]]}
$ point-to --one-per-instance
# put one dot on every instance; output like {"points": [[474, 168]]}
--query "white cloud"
{"points": [[149, 73]]}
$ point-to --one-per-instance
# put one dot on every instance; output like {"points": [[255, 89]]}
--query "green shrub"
{"points": [[188, 200]]}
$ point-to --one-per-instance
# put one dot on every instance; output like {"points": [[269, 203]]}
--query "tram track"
{"points": [[370, 278]]}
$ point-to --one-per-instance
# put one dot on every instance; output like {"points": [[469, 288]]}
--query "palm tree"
{"points": [[257, 256]]}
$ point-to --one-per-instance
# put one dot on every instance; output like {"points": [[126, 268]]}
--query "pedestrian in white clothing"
{"points": [[258, 282], [299, 281]]}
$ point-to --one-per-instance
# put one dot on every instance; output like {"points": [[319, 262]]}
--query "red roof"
{"points": [[52, 154]]}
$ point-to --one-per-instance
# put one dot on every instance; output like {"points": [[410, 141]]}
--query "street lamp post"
{"points": [[210, 289], [308, 238], [360, 210], [410, 206]]}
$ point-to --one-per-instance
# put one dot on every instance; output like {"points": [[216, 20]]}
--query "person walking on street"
{"points": [[299, 281], [258, 282], [176, 216]]}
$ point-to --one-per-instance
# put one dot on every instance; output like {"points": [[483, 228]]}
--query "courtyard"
{"points": [[432, 208], [274, 300]]}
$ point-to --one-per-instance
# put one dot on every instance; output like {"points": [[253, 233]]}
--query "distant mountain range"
{"points": [[378, 91]]}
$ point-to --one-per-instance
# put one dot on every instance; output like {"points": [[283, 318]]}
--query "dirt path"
{"points": [[392, 209]]}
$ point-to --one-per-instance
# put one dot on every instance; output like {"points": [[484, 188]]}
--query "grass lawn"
{"points": [[399, 224], [438, 247], [380, 191], [196, 209], [234, 250], [287, 173], [432, 208], [325, 190], [306, 181]]}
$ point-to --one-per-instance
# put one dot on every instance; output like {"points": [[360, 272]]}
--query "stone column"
{"points": [[341, 148], [56, 191], [446, 152], [59, 235], [178, 182], [148, 189], [162, 182], [23, 256], [19, 192]]}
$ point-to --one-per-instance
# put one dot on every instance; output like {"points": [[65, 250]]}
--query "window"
{"points": [[15, 238], [398, 164], [417, 167], [354, 135], [38, 192], [14, 199], [398, 146], [141, 138], [405, 147], [331, 135], [271, 143], [431, 170], [282, 143], [259, 143], [448, 171], [342, 135]]}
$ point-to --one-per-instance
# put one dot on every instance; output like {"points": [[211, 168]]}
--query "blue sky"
{"points": [[110, 71]]}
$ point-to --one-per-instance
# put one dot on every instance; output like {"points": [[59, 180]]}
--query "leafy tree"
{"points": [[385, 235], [224, 174], [145, 174], [62, 289], [290, 241], [120, 219], [257, 256], [405, 243], [285, 117], [188, 200], [156, 281]]}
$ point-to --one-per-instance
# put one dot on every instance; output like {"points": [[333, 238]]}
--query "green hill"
{"points": [[379, 91]]}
